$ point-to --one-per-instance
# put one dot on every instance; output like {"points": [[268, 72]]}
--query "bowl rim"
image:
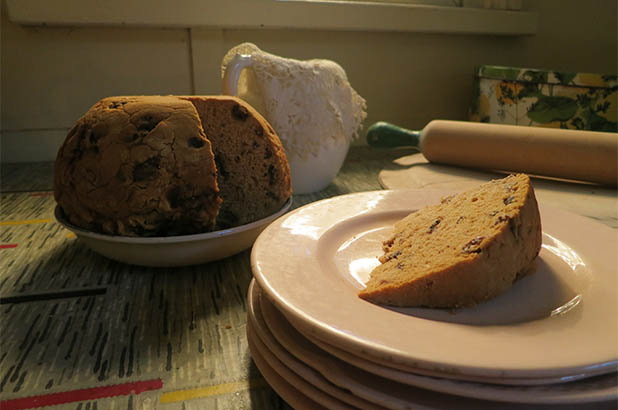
{"points": [[60, 218]]}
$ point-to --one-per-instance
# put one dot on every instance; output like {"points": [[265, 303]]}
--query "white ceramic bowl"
{"points": [[171, 251]]}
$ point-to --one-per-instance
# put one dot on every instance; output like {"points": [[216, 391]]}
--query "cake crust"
{"points": [[469, 248]]}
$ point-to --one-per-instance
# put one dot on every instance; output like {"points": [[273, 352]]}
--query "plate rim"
{"points": [[290, 393], [257, 324]]}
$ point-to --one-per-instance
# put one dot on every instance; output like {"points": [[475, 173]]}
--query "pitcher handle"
{"points": [[232, 73]]}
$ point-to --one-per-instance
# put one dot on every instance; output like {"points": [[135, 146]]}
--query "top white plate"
{"points": [[559, 322], [167, 251]]}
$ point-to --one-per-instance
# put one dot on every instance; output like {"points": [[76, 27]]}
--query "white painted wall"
{"points": [[51, 75]]}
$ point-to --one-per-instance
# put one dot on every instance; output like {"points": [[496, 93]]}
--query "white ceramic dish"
{"points": [[305, 359], [173, 250], [333, 377], [601, 387], [297, 392], [560, 322], [258, 329]]}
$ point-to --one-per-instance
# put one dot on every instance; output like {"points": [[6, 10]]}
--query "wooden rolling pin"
{"points": [[572, 154]]}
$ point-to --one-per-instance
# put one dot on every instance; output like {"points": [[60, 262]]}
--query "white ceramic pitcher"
{"points": [[310, 104]]}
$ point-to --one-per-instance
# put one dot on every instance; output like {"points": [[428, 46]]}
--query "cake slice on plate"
{"points": [[469, 248]]}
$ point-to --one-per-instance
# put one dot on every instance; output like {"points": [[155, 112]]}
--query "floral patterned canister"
{"points": [[522, 96]]}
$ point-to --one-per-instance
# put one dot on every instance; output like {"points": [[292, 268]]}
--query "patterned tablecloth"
{"points": [[84, 332]]}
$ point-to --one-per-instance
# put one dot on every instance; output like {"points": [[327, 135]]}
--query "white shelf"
{"points": [[273, 14]]}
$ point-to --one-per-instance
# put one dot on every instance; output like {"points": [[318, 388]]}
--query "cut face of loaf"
{"points": [[253, 173], [469, 248]]}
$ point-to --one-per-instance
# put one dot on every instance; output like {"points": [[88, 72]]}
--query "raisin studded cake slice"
{"points": [[469, 248], [253, 173]]}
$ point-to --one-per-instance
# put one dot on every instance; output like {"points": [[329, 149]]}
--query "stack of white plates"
{"points": [[550, 341]]}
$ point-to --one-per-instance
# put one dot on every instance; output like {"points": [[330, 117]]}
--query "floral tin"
{"points": [[522, 96]]}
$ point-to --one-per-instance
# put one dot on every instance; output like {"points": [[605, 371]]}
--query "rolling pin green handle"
{"points": [[385, 135]]}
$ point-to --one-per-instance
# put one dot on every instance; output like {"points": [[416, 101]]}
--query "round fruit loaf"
{"points": [[469, 248], [144, 166]]}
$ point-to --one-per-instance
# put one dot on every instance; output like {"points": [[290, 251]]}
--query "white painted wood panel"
{"points": [[31, 146], [207, 49], [320, 15], [50, 76]]}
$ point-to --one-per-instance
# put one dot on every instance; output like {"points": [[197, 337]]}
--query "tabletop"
{"points": [[87, 332]]}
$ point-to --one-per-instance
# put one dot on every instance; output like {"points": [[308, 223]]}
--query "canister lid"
{"points": [[543, 76]]}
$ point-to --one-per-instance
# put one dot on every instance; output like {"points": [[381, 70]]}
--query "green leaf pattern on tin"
{"points": [[549, 109], [519, 96]]}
